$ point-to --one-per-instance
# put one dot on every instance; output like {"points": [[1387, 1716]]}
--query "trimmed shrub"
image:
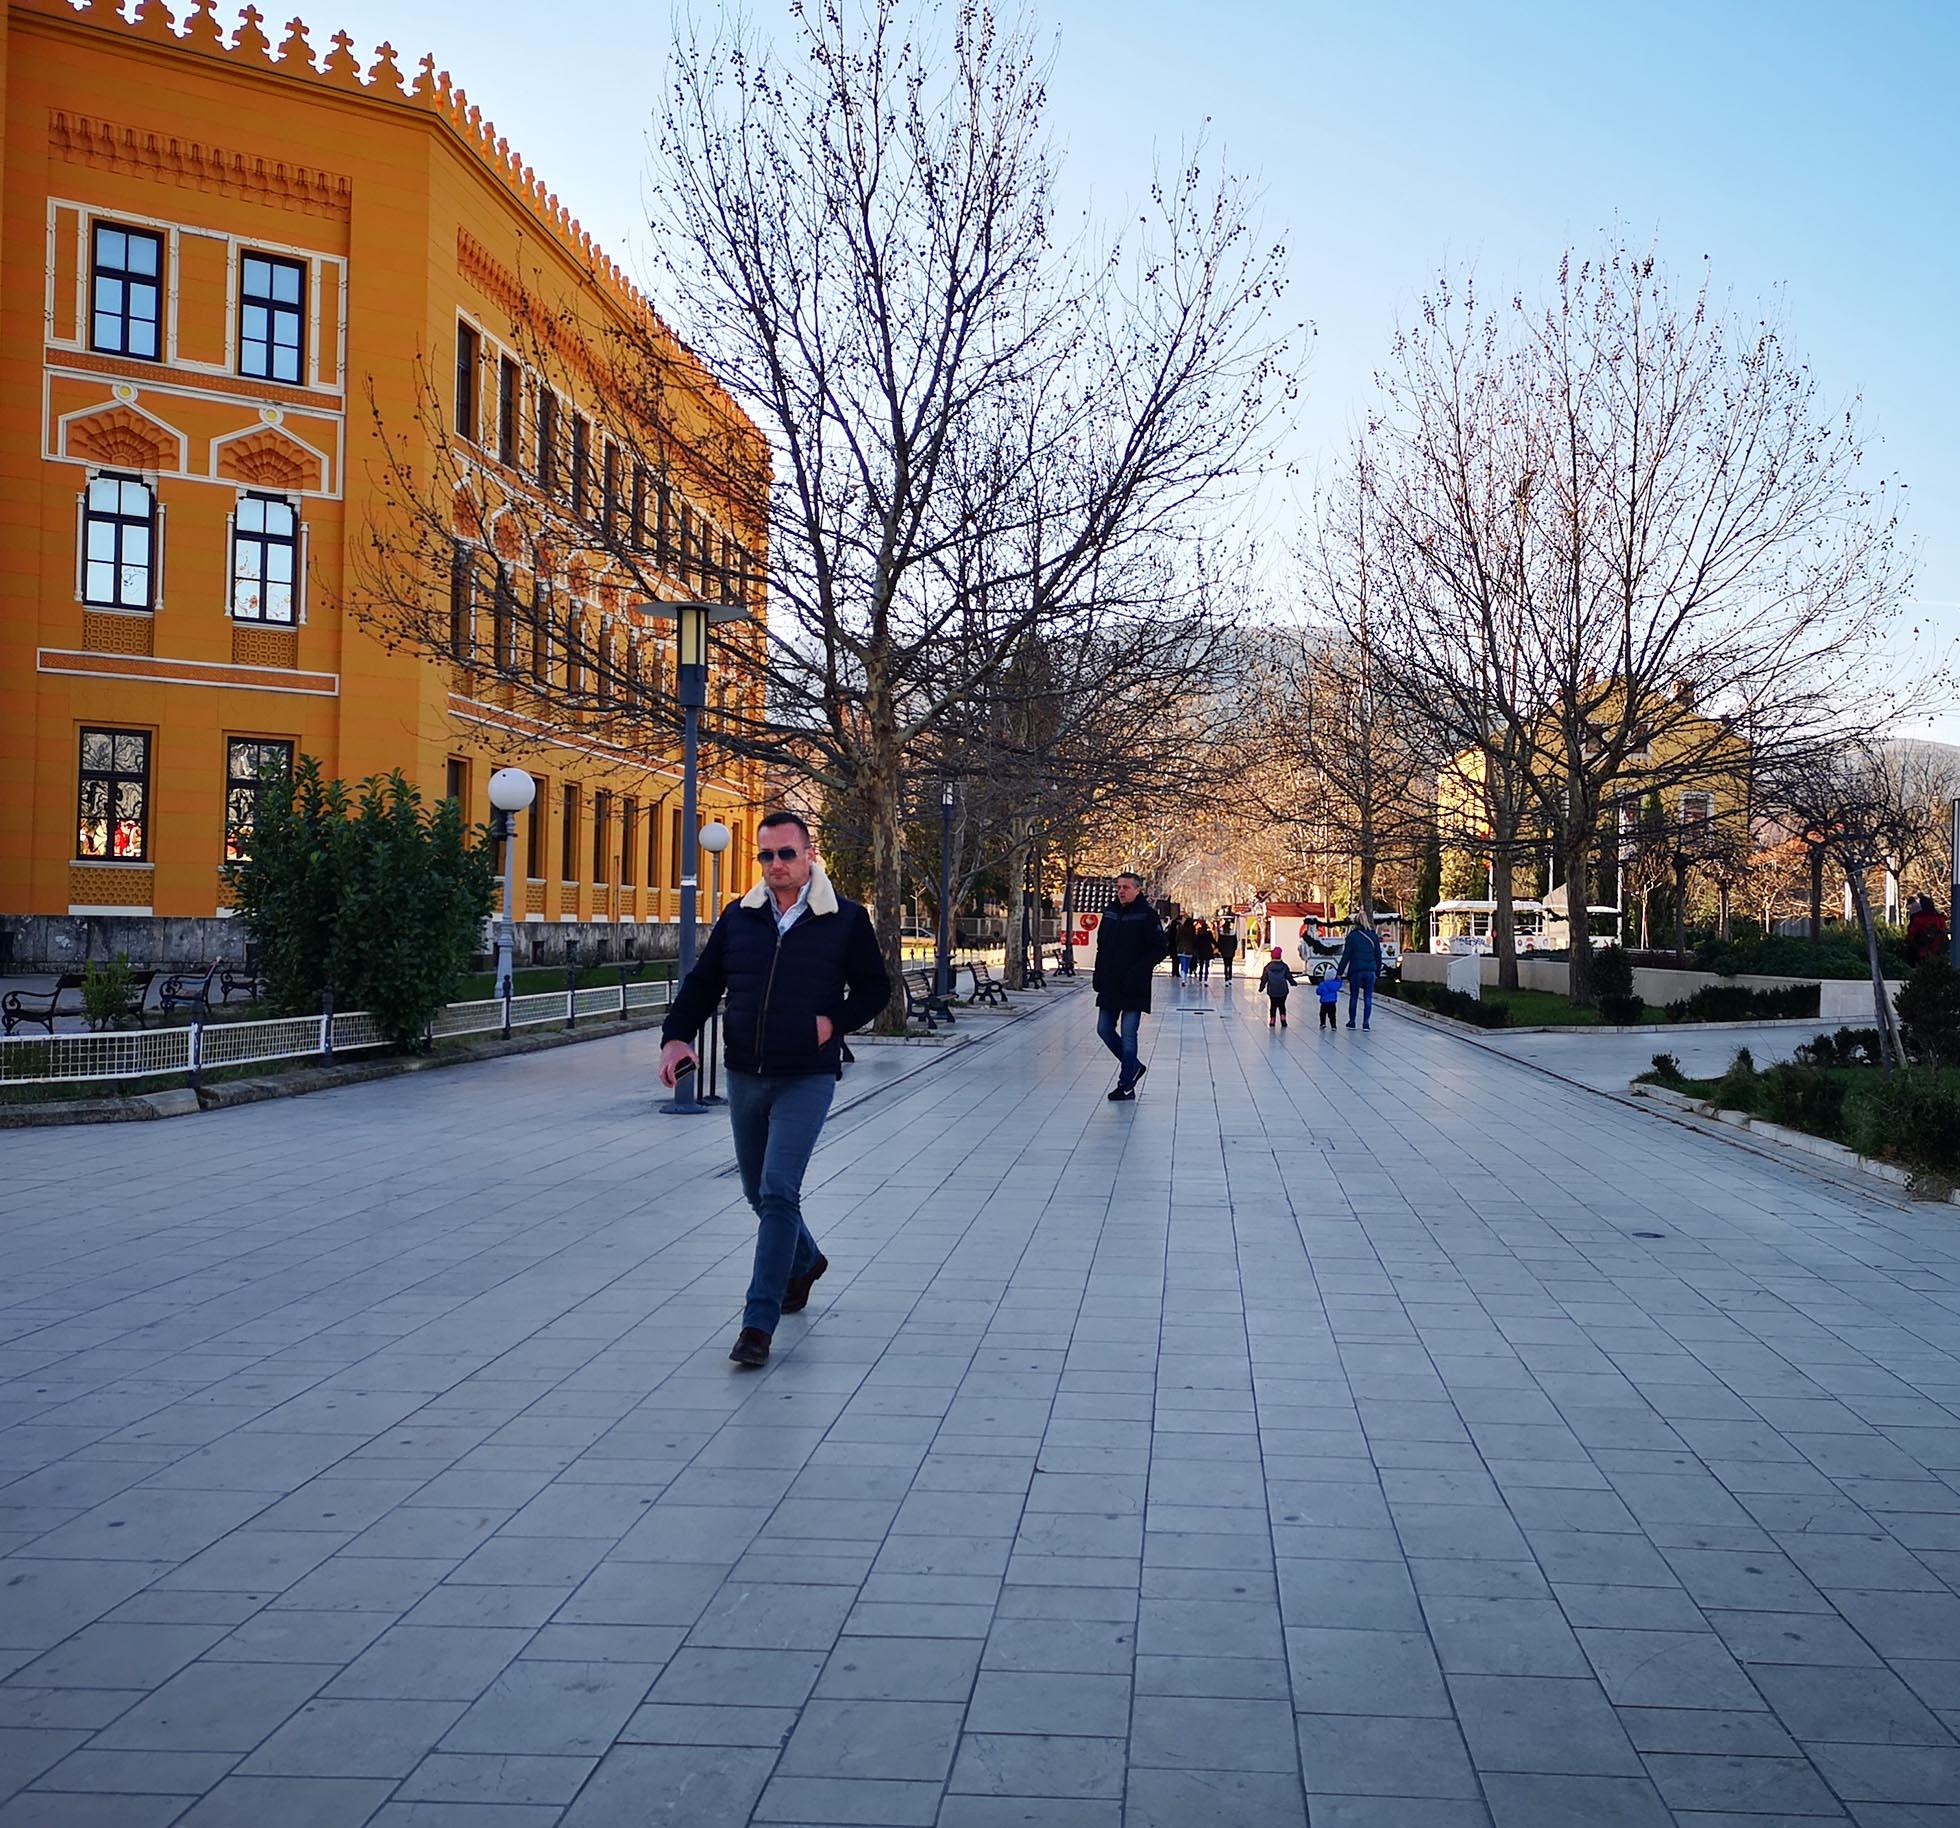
{"points": [[380, 895], [1447, 1002], [1740, 1003], [105, 991], [1911, 1117], [1668, 1067], [1622, 1011], [1848, 1047], [1842, 955], [1805, 1098], [1929, 1013], [1741, 1087], [1610, 973]]}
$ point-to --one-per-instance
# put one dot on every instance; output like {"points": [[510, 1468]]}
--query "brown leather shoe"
{"points": [[797, 1296]]}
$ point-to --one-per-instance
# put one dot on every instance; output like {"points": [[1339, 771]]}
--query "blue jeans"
{"points": [[1117, 1030], [776, 1124], [1362, 984]]}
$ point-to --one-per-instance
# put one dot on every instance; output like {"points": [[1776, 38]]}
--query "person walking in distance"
{"points": [[801, 968], [1228, 945], [1127, 950], [1361, 964], [1277, 982]]}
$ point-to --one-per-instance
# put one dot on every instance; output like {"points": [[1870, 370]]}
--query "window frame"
{"points": [[629, 839], [510, 394], [236, 784], [547, 441], [581, 461], [468, 416], [601, 837], [115, 777], [127, 276], [568, 839], [275, 309], [267, 543], [119, 521], [537, 836]]}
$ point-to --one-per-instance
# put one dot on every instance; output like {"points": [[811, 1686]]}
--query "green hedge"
{"points": [[1911, 1117], [1447, 1002], [1840, 956], [1740, 1003]]}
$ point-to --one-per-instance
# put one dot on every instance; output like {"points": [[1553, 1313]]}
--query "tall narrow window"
{"points": [[119, 544], [249, 763], [272, 318], [535, 837], [509, 393], [462, 603], [601, 836], [683, 544], [456, 781], [547, 439], [638, 532], [581, 460], [126, 292], [674, 851], [727, 569], [114, 798], [609, 485], [568, 854], [663, 524], [503, 619], [541, 615], [264, 559], [629, 842], [575, 668], [607, 658], [653, 847], [468, 351]]}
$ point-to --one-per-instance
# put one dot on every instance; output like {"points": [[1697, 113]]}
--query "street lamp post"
{"points": [[715, 838], [942, 988], [691, 617], [511, 791]]}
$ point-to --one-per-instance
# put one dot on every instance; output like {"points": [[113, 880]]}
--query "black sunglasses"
{"points": [[772, 856]]}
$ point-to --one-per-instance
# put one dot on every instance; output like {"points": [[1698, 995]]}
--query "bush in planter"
{"points": [[1741, 1087], [1929, 1013], [1805, 1098], [1620, 1011], [1667, 1067], [1848, 1047], [1911, 1117]]}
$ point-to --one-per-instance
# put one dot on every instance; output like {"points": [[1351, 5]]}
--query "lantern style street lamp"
{"points": [[511, 791], [692, 618], [715, 838]]}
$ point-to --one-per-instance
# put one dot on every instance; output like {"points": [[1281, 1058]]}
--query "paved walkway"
{"points": [[1363, 1425]]}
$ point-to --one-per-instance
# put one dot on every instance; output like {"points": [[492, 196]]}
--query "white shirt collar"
{"points": [[788, 917]]}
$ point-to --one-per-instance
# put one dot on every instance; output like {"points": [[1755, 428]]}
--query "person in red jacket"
{"points": [[1925, 931]]}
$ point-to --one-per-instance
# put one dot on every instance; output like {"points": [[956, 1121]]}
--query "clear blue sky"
{"points": [[1805, 147]]}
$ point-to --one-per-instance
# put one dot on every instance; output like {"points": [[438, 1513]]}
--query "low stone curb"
{"points": [[1598, 1028], [1836, 1154], [183, 1102]]}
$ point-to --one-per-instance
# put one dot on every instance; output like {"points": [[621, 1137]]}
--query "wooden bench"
{"points": [[190, 989], [40, 1007], [923, 1002], [986, 987]]}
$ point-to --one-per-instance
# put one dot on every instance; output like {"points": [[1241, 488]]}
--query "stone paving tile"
{"points": [[1187, 1462]]}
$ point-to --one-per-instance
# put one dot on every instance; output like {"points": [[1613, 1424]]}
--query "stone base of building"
{"points": [[62, 942]]}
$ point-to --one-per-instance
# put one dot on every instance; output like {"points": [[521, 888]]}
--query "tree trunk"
{"points": [[1681, 906], [1503, 893], [1722, 910], [1068, 917], [1014, 963], [1817, 892], [1578, 917], [884, 820], [1890, 1049]]}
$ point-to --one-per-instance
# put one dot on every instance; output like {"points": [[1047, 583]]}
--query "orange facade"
{"points": [[227, 277]]}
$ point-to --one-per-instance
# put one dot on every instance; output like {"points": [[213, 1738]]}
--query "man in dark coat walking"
{"points": [[801, 968], [1128, 949]]}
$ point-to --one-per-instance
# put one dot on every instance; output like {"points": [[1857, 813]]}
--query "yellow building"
{"points": [[235, 282]]}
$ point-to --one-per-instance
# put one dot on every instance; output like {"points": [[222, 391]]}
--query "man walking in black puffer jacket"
{"points": [[801, 968], [1128, 947]]}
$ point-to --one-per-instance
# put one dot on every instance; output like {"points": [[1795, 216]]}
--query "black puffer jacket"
{"points": [[827, 964], [1128, 947]]}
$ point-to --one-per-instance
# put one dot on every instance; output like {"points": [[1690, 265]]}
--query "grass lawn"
{"points": [[537, 979], [1547, 1009]]}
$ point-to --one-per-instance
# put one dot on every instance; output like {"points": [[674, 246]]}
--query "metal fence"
{"points": [[202, 1047]]}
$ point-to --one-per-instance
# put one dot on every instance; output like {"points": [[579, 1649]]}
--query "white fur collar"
{"points": [[823, 897]]}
